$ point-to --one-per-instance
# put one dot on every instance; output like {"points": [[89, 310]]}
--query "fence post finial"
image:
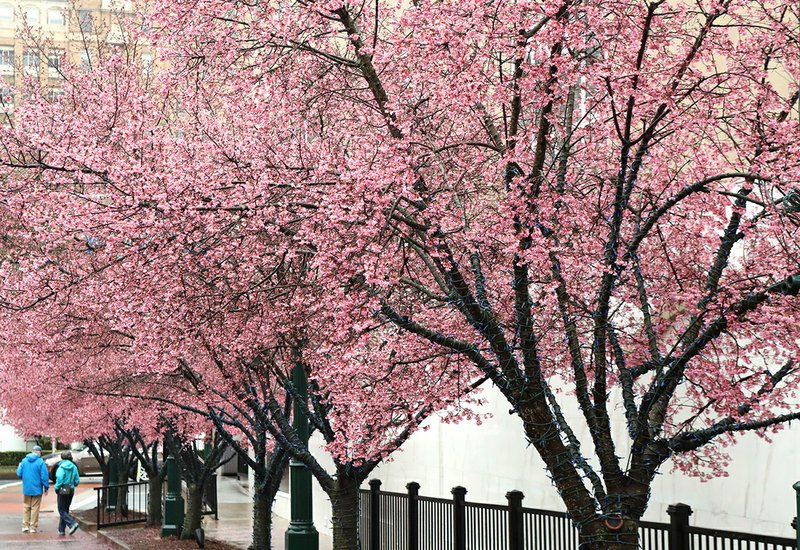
{"points": [[515, 530], [459, 518], [374, 514], [679, 526], [413, 515]]}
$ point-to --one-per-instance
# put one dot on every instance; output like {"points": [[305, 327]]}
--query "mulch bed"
{"points": [[139, 537]]}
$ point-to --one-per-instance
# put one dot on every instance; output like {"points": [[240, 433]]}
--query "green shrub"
{"points": [[11, 458]]}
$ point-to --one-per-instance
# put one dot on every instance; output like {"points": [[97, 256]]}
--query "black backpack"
{"points": [[52, 473]]}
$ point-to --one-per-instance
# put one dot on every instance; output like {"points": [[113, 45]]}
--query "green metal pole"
{"points": [[173, 501], [797, 517], [301, 534]]}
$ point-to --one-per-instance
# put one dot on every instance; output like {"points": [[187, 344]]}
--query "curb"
{"points": [[91, 528], [88, 526], [112, 541]]}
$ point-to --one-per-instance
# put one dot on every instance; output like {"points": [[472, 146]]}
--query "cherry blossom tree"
{"points": [[582, 195], [241, 316]]}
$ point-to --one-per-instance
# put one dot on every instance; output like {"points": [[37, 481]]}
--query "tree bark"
{"points": [[344, 505], [262, 515], [155, 516], [597, 535], [122, 493], [194, 509]]}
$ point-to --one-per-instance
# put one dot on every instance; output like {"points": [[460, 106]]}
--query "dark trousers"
{"points": [[64, 502]]}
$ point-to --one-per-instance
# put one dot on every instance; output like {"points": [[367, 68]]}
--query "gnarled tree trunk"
{"points": [[609, 535], [155, 514], [262, 515], [194, 509], [344, 504]]}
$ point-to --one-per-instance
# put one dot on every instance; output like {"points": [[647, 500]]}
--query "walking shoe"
{"points": [[61, 533], [33, 530], [73, 528], [25, 529]]}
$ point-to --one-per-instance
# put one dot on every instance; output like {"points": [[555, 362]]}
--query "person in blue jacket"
{"points": [[33, 472], [67, 479]]}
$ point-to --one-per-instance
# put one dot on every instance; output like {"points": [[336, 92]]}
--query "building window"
{"points": [[86, 21], [54, 60], [31, 62], [7, 55], [55, 17], [54, 94], [6, 15], [147, 63], [30, 59], [31, 15], [86, 60], [6, 96]]}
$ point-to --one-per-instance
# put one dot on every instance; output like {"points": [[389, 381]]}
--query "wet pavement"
{"points": [[235, 524], [12, 537]]}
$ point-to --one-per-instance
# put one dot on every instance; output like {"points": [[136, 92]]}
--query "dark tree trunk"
{"points": [[565, 475], [344, 505], [122, 493], [262, 514], [598, 535], [194, 509], [155, 515]]}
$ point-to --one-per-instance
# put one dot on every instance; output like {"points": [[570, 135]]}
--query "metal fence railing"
{"points": [[654, 536], [122, 504], [210, 505], [715, 539], [407, 521]]}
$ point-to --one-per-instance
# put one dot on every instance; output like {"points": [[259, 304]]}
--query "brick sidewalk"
{"points": [[12, 537]]}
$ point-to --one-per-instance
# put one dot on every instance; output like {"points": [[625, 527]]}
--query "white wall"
{"points": [[9, 440], [491, 459]]}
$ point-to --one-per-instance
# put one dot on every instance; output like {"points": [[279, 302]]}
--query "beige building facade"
{"points": [[37, 37]]}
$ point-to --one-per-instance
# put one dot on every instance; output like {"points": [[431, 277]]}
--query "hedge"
{"points": [[11, 458]]}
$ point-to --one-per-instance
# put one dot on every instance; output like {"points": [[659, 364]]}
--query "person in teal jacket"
{"points": [[67, 479], [33, 472]]}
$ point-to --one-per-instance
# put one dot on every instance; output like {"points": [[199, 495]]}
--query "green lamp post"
{"points": [[173, 501], [796, 487], [301, 534]]}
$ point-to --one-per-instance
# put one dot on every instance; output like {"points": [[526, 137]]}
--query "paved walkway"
{"points": [[12, 537], [235, 524]]}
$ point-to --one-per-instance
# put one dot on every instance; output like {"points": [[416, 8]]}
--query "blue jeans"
{"points": [[64, 502]]}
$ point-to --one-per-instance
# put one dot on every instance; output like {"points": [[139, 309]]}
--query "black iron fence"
{"points": [[210, 497], [122, 504], [408, 521]]}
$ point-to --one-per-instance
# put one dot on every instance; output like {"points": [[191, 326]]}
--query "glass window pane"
{"points": [[6, 14], [32, 15], [86, 21], [7, 55], [55, 17]]}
